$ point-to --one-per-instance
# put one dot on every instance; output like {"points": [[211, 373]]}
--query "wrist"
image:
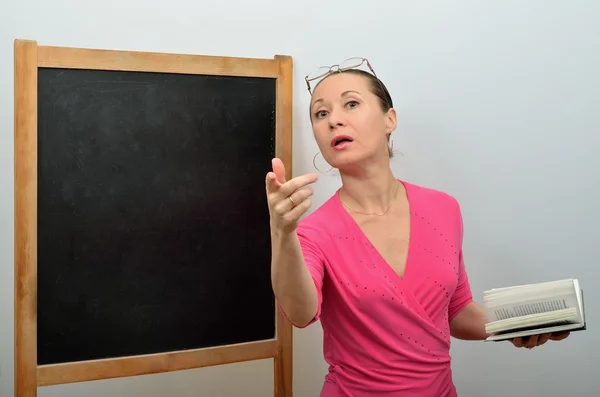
{"points": [[280, 234]]}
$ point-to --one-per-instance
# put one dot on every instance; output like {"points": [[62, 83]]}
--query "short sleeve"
{"points": [[314, 261], [462, 295]]}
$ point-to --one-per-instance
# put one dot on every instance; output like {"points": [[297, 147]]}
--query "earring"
{"points": [[315, 165]]}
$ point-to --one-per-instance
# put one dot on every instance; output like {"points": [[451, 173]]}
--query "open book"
{"points": [[533, 309]]}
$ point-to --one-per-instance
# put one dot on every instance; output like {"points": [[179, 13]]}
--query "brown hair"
{"points": [[377, 88]]}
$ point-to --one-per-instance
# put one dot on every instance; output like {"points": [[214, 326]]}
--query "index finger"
{"points": [[296, 183]]}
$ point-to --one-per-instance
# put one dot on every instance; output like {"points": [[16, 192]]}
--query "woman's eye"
{"points": [[352, 104], [321, 113]]}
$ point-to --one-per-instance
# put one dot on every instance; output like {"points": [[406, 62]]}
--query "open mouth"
{"points": [[340, 139]]}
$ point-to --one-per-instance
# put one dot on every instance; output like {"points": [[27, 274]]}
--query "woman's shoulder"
{"points": [[433, 204], [431, 198], [322, 219]]}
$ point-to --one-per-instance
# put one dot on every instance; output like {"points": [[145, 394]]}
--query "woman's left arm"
{"points": [[469, 323]]}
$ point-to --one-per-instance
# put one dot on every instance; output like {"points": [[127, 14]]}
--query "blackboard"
{"points": [[151, 227], [153, 230]]}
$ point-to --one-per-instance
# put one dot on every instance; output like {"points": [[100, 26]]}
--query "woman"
{"points": [[380, 263]]}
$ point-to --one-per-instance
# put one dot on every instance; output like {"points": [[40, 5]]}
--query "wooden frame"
{"points": [[28, 57]]}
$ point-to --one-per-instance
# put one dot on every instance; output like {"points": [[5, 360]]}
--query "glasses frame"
{"points": [[337, 69]]}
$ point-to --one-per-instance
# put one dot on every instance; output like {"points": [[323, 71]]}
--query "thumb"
{"points": [[279, 170], [272, 183]]}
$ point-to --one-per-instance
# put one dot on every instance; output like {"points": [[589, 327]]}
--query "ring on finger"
{"points": [[292, 200]]}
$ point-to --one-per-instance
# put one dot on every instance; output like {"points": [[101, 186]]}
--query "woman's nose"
{"points": [[336, 119]]}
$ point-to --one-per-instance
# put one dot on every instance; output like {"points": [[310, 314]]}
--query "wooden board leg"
{"points": [[25, 53], [283, 363]]}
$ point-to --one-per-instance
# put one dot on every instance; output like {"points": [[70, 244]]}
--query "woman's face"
{"points": [[348, 123]]}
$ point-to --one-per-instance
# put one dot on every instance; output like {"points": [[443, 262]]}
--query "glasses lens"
{"points": [[318, 73], [351, 63]]}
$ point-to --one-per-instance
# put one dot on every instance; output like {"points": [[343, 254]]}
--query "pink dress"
{"points": [[387, 336]]}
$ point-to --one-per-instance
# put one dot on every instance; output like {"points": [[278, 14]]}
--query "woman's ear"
{"points": [[390, 121]]}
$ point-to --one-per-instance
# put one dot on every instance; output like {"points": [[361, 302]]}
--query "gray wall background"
{"points": [[498, 105]]}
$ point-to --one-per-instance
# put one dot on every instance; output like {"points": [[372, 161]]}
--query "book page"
{"points": [[544, 319], [533, 306], [542, 291]]}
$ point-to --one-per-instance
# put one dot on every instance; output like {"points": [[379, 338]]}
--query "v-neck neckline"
{"points": [[388, 267]]}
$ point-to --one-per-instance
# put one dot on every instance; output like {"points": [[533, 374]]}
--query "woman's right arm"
{"points": [[292, 282]]}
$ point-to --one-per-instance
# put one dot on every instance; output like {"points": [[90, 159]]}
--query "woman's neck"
{"points": [[369, 194]]}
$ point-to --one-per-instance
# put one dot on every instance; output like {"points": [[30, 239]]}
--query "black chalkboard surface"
{"points": [[153, 230], [142, 241]]}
